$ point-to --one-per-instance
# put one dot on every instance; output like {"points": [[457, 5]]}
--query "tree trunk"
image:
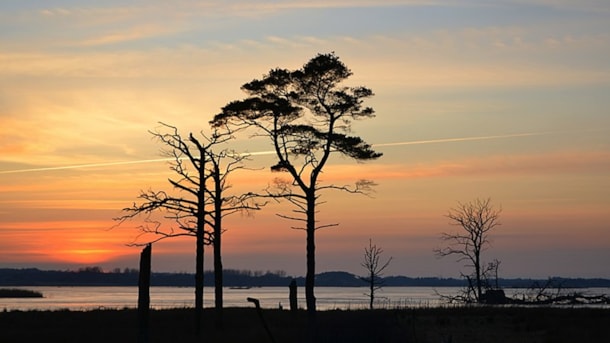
{"points": [[477, 268], [311, 274], [218, 277], [199, 255], [199, 280], [372, 286], [310, 277]]}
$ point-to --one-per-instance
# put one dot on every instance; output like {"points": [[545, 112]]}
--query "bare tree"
{"points": [[475, 220], [307, 116], [374, 267], [197, 200], [221, 165]]}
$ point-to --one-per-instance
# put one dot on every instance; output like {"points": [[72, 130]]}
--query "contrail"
{"points": [[77, 166], [462, 139], [269, 152]]}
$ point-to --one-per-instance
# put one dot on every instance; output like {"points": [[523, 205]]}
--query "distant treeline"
{"points": [[96, 276]]}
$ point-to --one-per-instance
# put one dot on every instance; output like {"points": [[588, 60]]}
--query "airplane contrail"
{"points": [[462, 139], [76, 166], [269, 152]]}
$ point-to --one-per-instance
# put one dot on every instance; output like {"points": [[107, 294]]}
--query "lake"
{"points": [[89, 298]]}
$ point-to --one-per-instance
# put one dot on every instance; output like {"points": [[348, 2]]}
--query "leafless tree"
{"points": [[475, 220], [197, 200], [307, 116], [374, 267]]}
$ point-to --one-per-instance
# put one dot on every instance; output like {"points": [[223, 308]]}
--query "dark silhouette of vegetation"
{"points": [[259, 278], [197, 201], [248, 278], [422, 325], [475, 220], [306, 114], [19, 293], [374, 267]]}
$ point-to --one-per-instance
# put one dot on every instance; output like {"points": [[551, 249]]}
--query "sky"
{"points": [[500, 99]]}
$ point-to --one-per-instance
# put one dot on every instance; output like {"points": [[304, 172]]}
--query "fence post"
{"points": [[294, 305]]}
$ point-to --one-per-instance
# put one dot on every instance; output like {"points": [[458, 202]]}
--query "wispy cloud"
{"points": [[130, 34]]}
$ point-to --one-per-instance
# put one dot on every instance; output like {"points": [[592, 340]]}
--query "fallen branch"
{"points": [[257, 304]]}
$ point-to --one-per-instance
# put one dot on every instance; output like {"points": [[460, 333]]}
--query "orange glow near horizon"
{"points": [[79, 242], [84, 256], [413, 220], [484, 103]]}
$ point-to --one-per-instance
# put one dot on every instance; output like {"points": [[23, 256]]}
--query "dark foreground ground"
{"points": [[455, 325]]}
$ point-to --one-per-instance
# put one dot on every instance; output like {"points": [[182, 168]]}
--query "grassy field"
{"points": [[456, 325]]}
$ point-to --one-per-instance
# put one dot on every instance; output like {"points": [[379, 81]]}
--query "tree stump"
{"points": [[144, 293], [294, 305]]}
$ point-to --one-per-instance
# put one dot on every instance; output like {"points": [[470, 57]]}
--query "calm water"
{"points": [[88, 298]]}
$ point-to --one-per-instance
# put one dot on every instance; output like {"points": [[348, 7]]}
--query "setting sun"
{"points": [[84, 256]]}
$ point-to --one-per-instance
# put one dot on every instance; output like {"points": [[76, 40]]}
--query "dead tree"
{"points": [[196, 200], [221, 165], [374, 267], [475, 220]]}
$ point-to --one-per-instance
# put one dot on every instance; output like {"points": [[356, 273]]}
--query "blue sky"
{"points": [[82, 82]]}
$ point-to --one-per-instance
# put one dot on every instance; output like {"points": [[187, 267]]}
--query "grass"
{"points": [[456, 325], [18, 293]]}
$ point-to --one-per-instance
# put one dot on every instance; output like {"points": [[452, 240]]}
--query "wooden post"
{"points": [[144, 293], [294, 305]]}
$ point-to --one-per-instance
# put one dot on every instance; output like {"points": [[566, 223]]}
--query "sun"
{"points": [[85, 256]]}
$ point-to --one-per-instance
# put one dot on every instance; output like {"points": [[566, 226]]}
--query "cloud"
{"points": [[130, 34], [594, 6], [428, 63]]}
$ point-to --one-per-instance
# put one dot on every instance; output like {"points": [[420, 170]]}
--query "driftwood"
{"points": [[567, 299], [542, 296], [551, 293], [259, 311]]}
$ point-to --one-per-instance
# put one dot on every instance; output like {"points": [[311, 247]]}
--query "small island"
{"points": [[19, 293]]}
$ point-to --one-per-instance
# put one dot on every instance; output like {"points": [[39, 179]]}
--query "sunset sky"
{"points": [[506, 99]]}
